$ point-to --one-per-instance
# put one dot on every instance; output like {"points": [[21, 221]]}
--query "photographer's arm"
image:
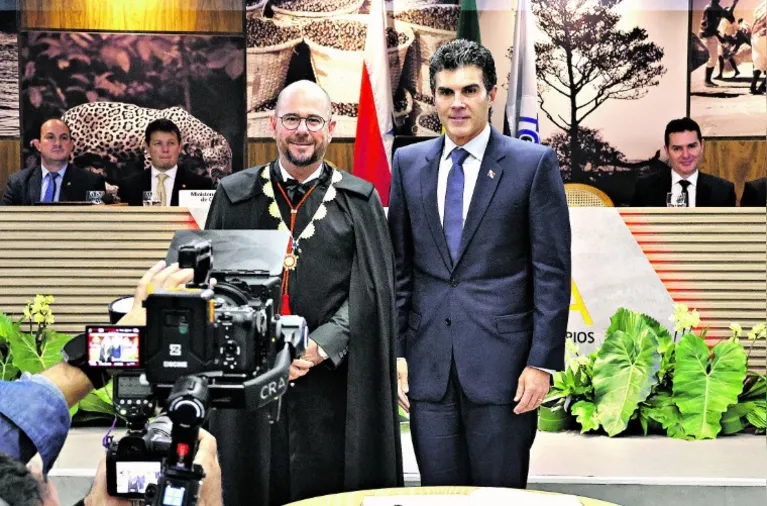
{"points": [[332, 337], [34, 412]]}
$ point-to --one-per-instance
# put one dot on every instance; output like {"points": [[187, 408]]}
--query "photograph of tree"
{"points": [[611, 74], [9, 69], [728, 63], [324, 41], [108, 87]]}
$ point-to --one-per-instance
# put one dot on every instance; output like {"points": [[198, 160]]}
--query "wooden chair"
{"points": [[583, 195]]}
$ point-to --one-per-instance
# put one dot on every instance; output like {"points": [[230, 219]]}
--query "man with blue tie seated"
{"points": [[481, 235], [55, 180]]}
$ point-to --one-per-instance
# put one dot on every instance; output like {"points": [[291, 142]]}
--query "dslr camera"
{"points": [[220, 344]]}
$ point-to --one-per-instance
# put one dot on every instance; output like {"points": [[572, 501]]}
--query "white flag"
{"points": [[522, 102]]}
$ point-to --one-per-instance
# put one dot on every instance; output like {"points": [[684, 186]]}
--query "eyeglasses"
{"points": [[293, 121]]}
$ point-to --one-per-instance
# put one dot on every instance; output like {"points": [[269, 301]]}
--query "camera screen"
{"points": [[173, 496], [133, 477], [114, 346]]}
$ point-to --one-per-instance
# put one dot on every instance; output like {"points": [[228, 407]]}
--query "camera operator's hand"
{"points": [[159, 276], [98, 496], [207, 457]]}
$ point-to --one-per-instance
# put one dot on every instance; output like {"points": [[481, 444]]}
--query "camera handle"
{"points": [[179, 483]]}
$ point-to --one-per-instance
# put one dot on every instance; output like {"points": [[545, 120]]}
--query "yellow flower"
{"points": [[758, 332], [737, 330]]}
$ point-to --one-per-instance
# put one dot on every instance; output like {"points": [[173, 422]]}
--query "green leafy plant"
{"points": [[643, 379], [30, 345]]}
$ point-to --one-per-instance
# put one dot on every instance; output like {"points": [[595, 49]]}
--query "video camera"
{"points": [[207, 345]]}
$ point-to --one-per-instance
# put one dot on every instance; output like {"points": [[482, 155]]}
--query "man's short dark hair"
{"points": [[463, 53], [18, 487], [162, 125], [676, 126]]}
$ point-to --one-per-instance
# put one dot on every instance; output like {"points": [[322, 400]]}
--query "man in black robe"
{"points": [[338, 429]]}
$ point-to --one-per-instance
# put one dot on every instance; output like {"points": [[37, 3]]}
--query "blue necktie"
{"points": [[453, 219], [50, 192]]}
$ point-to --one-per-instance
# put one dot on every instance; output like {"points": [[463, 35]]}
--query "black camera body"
{"points": [[135, 460], [226, 339]]}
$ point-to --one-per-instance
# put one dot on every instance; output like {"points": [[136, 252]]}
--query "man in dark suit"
{"points": [[481, 234], [688, 186], [754, 193], [55, 180], [165, 178]]}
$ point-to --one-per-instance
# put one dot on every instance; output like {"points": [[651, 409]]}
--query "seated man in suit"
{"points": [[754, 193], [55, 179], [684, 147], [165, 178]]}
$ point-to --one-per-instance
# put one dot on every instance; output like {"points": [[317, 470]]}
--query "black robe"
{"points": [[339, 429]]}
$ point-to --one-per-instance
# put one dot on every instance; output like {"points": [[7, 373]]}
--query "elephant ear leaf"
{"points": [[625, 369], [706, 383], [586, 415], [26, 356]]}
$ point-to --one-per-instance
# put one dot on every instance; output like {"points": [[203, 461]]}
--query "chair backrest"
{"points": [[583, 195]]}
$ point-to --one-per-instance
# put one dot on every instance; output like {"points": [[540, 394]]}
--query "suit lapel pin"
{"points": [[183, 186], [491, 174], [69, 183]]}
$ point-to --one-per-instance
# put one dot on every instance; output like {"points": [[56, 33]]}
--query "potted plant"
{"points": [[643, 378], [30, 345]]}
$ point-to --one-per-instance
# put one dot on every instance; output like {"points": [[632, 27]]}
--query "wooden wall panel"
{"points": [[134, 15], [340, 153], [735, 160], [10, 159], [712, 259], [100, 253]]}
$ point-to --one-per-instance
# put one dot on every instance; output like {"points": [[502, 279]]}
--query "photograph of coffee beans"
{"points": [[347, 35], [331, 43]]}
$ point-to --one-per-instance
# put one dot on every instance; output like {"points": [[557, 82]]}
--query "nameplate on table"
{"points": [[480, 497], [417, 500], [195, 198], [509, 496]]}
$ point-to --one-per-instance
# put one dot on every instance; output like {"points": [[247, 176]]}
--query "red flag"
{"points": [[375, 124]]}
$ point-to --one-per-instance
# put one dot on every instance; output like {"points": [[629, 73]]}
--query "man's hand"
{"points": [[402, 385], [299, 367], [159, 276], [532, 389], [98, 496], [312, 353], [207, 457]]}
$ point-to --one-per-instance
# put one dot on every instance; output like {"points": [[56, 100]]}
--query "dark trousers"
{"points": [[307, 444], [458, 442]]}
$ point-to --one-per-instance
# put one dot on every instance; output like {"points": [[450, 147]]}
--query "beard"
{"points": [[304, 160]]}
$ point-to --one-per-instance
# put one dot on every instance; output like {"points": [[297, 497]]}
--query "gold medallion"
{"points": [[290, 261]]}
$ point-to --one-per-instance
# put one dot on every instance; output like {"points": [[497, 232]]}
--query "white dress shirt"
{"points": [[314, 175], [169, 181], [476, 148], [676, 188]]}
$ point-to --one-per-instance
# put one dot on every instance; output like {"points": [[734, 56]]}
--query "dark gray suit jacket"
{"points": [[23, 187], [505, 303]]}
